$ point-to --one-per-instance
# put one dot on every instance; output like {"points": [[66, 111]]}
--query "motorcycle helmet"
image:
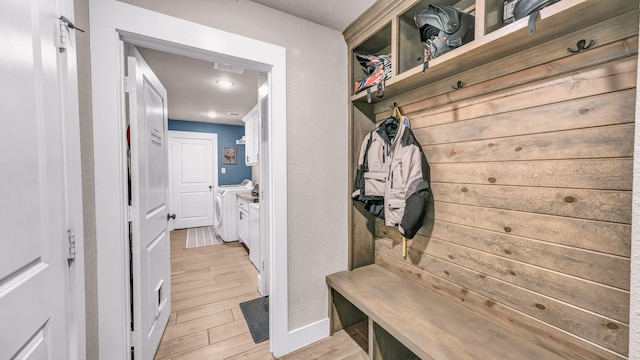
{"points": [[443, 28], [522, 8], [378, 67]]}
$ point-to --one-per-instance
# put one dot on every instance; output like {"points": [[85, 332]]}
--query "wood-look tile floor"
{"points": [[207, 286]]}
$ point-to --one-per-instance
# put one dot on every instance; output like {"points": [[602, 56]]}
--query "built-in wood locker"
{"points": [[529, 220]]}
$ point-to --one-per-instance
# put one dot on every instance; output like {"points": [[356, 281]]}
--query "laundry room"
{"points": [[215, 111]]}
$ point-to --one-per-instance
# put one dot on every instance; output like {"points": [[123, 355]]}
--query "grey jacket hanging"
{"points": [[392, 179]]}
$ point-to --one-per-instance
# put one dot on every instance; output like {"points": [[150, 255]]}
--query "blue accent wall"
{"points": [[227, 136]]}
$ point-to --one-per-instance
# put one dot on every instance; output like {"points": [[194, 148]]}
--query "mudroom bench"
{"points": [[407, 321]]}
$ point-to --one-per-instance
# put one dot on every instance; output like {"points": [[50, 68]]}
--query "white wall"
{"points": [[316, 138]]}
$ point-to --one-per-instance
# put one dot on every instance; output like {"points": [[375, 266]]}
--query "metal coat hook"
{"points": [[459, 85], [581, 46]]}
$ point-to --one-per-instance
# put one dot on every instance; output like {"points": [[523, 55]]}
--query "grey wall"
{"points": [[81, 8]]}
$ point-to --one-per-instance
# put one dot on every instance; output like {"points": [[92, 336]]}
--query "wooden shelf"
{"points": [[561, 18]]}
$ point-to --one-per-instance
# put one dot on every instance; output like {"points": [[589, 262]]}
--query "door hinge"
{"points": [[129, 213], [71, 246], [127, 84], [62, 36], [134, 339]]}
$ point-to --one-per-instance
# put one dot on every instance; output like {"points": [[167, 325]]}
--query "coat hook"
{"points": [[581, 46], [459, 85]]}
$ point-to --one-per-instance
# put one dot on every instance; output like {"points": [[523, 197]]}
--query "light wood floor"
{"points": [[207, 286]]}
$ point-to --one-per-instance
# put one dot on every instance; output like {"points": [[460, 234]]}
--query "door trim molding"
{"points": [[112, 20], [172, 135], [70, 106]]}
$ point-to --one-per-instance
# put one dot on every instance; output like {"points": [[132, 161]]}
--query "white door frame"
{"points": [[68, 75], [173, 134], [112, 21]]}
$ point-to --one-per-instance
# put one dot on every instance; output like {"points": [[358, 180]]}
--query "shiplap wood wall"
{"points": [[531, 170]]}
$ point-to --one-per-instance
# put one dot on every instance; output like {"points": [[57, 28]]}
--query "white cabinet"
{"points": [[253, 126], [252, 136], [243, 221]]}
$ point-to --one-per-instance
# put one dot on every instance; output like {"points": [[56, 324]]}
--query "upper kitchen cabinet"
{"points": [[252, 136]]}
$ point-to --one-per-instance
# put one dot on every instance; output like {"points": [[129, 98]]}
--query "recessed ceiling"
{"points": [[335, 14], [192, 91]]}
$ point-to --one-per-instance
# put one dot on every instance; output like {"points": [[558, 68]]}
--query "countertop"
{"points": [[248, 197]]}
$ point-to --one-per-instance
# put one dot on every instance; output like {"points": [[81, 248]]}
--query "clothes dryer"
{"points": [[226, 208]]}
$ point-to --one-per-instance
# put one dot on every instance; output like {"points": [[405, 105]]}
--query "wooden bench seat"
{"points": [[408, 321]]}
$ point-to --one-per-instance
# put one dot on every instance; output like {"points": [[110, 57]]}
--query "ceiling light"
{"points": [[224, 83], [233, 113], [212, 115]]}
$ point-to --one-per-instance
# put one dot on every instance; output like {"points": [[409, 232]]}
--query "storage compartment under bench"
{"points": [[406, 321]]}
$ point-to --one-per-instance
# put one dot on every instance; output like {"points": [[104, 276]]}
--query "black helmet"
{"points": [[443, 28], [522, 8]]}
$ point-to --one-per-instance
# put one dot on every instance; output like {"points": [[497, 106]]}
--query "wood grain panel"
{"points": [[477, 84], [572, 290], [621, 30], [598, 236], [613, 206], [609, 77], [606, 174], [602, 142], [534, 328], [583, 323], [606, 269], [531, 168], [607, 109], [602, 268]]}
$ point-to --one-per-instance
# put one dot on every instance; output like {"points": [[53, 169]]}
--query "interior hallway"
{"points": [[207, 286]]}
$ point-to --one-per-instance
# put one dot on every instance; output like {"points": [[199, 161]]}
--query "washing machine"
{"points": [[226, 204]]}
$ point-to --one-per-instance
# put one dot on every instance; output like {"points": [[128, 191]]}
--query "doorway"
{"points": [[113, 22], [193, 178]]}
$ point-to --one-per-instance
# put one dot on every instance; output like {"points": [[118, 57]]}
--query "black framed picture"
{"points": [[229, 155]]}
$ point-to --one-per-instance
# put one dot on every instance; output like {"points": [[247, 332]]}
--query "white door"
{"points": [[193, 178], [34, 273], [149, 186]]}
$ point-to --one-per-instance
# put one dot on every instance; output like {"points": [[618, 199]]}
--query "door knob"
{"points": [[210, 187], [171, 216]]}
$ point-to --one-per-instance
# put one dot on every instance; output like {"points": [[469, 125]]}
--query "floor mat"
{"points": [[203, 236], [256, 314]]}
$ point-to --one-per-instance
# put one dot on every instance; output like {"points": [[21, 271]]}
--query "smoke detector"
{"points": [[228, 68]]}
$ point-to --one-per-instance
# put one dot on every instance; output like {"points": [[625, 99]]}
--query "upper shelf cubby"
{"points": [[377, 44], [389, 29], [410, 50]]}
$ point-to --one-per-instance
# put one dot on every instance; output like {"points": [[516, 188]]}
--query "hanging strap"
{"points": [[532, 21], [398, 115]]}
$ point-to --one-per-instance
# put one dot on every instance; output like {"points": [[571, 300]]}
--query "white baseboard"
{"points": [[308, 334]]}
